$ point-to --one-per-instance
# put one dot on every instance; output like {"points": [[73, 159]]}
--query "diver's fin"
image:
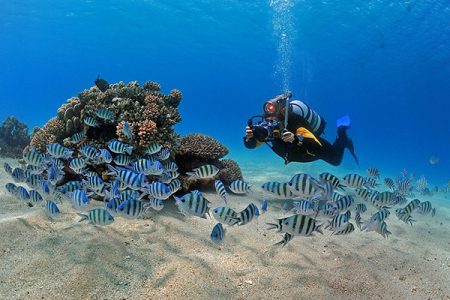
{"points": [[351, 148], [307, 134], [343, 121]]}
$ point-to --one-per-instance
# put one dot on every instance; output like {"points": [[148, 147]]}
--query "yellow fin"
{"points": [[307, 134]]}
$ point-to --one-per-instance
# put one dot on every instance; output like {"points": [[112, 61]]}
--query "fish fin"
{"points": [[433, 212], [129, 149], [83, 217], [319, 229]]}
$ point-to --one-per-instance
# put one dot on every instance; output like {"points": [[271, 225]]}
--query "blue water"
{"points": [[386, 64]]}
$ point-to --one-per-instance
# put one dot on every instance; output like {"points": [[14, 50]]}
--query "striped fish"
{"points": [[343, 203], [77, 137], [105, 156], [98, 216], [354, 180], [153, 148], [376, 219], [174, 186], [386, 199], [105, 114], [218, 233], [51, 209], [142, 166], [425, 208], [113, 204], [225, 215], [336, 196], [170, 165], [371, 183], [70, 186], [164, 154], [193, 204], [35, 196], [404, 217], [347, 230], [34, 180], [339, 222], [247, 215], [389, 183], [90, 152], [205, 171], [361, 207], [58, 151], [303, 207], [373, 172], [34, 158], [119, 147], [77, 164], [382, 229], [358, 220], [11, 188], [363, 193], [286, 238], [282, 191], [131, 208], [332, 179], [94, 183], [35, 170], [297, 225], [79, 199], [220, 189], [7, 168], [412, 206], [23, 193], [156, 204], [158, 190], [18, 175], [90, 121], [240, 187], [122, 160], [303, 185], [128, 178], [324, 192]]}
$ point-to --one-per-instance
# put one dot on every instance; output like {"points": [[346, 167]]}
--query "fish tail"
{"points": [[272, 226], [129, 149], [83, 217], [319, 229]]}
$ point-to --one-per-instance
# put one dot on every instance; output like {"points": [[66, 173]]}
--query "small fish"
{"points": [[279, 190], [264, 206], [79, 199], [339, 222], [371, 183], [128, 178], [373, 172], [105, 114], [90, 152], [358, 220], [18, 175], [164, 154], [71, 186], [77, 164], [7, 168], [303, 207], [247, 215], [131, 208], [361, 207], [225, 215], [331, 178], [344, 203], [218, 233], [90, 121], [297, 225], [35, 196], [58, 151], [174, 186], [193, 204], [170, 166], [403, 216], [11, 188], [239, 187], [389, 183], [77, 137], [347, 230], [220, 189], [303, 185], [94, 183], [286, 238], [159, 190], [156, 204], [433, 160], [126, 130], [101, 84], [122, 160], [34, 158], [205, 171], [153, 148], [119, 147], [113, 204], [105, 156], [98, 216], [23, 193], [51, 209], [354, 180]]}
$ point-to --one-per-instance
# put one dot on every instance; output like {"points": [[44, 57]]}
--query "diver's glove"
{"points": [[248, 133], [288, 136]]}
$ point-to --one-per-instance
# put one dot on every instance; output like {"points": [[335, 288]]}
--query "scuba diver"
{"points": [[295, 136]]}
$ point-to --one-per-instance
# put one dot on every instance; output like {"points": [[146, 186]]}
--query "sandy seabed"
{"points": [[169, 256]]}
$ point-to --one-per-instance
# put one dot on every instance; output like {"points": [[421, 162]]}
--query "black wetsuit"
{"points": [[309, 150]]}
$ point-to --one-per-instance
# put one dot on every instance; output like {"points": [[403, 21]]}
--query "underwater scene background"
{"points": [[386, 64]]}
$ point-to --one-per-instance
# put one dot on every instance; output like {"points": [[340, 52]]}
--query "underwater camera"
{"points": [[265, 130]]}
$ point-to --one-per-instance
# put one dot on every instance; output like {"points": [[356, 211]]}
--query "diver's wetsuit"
{"points": [[310, 150]]}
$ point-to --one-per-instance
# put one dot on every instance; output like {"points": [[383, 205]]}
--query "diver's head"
{"points": [[274, 108]]}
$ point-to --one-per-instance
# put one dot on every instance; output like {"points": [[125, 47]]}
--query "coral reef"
{"points": [[13, 137], [195, 150], [149, 113]]}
